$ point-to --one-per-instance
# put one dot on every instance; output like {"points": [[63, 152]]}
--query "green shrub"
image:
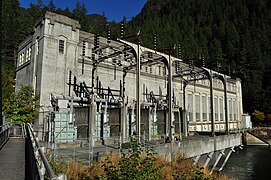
{"points": [[132, 165]]}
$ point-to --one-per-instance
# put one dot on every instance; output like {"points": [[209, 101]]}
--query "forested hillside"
{"points": [[233, 36]]}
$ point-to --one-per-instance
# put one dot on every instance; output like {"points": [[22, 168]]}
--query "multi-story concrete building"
{"points": [[68, 67]]}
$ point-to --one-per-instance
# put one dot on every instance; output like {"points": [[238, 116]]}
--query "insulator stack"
{"points": [[155, 42], [108, 35], [122, 29], [179, 52], [96, 41], [84, 48]]}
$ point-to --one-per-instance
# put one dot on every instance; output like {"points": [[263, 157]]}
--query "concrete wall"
{"points": [[24, 69], [56, 65], [201, 145]]}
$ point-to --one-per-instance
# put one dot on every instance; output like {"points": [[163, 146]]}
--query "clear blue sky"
{"points": [[113, 9]]}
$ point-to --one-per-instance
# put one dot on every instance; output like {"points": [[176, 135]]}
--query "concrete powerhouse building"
{"points": [[90, 86]]}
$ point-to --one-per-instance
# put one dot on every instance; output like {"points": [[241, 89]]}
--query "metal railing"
{"points": [[4, 134], [36, 161]]}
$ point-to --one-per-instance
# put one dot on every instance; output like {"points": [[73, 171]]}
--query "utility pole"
{"points": [[138, 110]]}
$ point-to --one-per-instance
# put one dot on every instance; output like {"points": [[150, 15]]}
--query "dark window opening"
{"points": [[61, 46]]}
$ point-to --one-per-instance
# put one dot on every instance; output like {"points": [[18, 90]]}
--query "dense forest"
{"points": [[233, 36]]}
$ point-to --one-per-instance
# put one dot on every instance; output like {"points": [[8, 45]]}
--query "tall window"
{"points": [[28, 54], [151, 69], [61, 46], [190, 107], [221, 109], [230, 109], [29, 51], [234, 110], [21, 59], [26, 58], [204, 108], [197, 107], [216, 108], [146, 68]]}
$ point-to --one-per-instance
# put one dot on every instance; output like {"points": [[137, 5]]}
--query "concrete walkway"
{"points": [[12, 160]]}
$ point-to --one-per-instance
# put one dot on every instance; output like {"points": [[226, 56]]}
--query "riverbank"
{"points": [[258, 136]]}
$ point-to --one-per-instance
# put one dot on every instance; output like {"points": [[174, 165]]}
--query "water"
{"points": [[253, 162]]}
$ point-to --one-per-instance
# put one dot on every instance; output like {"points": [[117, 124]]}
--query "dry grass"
{"points": [[184, 169], [76, 171], [179, 169], [79, 171]]}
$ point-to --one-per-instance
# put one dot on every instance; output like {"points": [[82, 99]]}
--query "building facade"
{"points": [[78, 68]]}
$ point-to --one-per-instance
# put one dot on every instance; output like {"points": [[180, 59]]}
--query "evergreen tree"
{"points": [[51, 6], [40, 4], [67, 12], [9, 35], [80, 14]]}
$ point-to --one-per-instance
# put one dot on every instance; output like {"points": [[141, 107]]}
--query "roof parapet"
{"points": [[53, 17]]}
